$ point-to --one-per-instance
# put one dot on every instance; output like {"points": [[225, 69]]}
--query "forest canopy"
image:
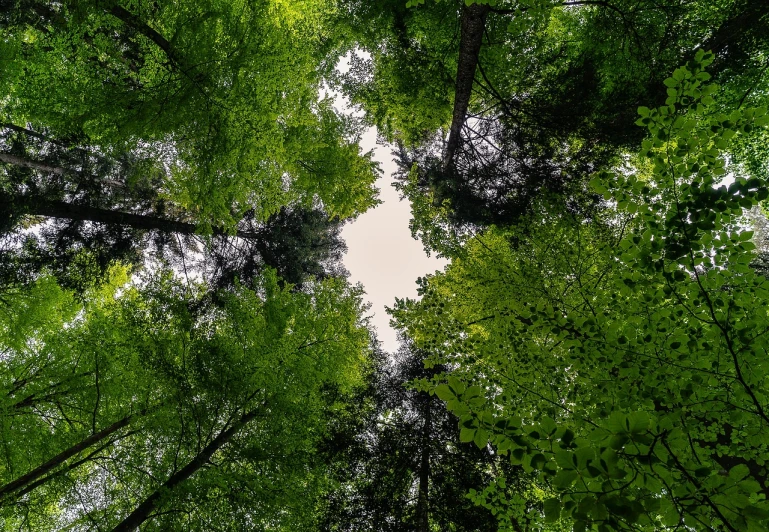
{"points": [[181, 349]]}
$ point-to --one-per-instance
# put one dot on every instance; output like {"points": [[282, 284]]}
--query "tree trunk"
{"points": [[751, 17], [30, 163], [65, 455], [142, 512], [473, 24], [37, 206], [34, 134], [69, 467], [423, 509], [138, 25]]}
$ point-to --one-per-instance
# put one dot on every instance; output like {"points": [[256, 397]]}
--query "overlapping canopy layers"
{"points": [[139, 406], [500, 102]]}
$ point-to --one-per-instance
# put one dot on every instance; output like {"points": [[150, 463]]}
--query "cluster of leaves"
{"points": [[135, 405], [232, 113], [552, 99], [404, 467], [177, 130], [605, 357], [623, 360]]}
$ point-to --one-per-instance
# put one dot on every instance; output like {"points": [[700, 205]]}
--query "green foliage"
{"points": [[224, 96], [621, 361], [405, 86], [406, 447], [605, 363], [553, 99], [159, 375]]}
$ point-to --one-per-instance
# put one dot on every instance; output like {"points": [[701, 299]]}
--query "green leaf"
{"points": [[537, 461], [670, 82], [583, 456], [472, 392], [457, 386], [444, 392], [565, 459], [564, 479], [552, 509], [517, 455], [755, 512], [547, 424], [739, 472], [481, 438], [639, 421]]}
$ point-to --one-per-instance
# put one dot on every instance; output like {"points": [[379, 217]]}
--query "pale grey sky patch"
{"points": [[382, 255]]}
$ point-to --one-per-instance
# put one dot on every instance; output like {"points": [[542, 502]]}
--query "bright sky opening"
{"points": [[382, 255]]}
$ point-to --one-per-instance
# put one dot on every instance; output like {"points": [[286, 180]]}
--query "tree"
{"points": [[544, 93], [405, 469], [145, 401], [146, 409], [221, 97], [101, 209], [622, 361]]}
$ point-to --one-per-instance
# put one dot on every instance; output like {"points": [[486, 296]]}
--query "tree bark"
{"points": [[142, 512], [69, 467], [35, 134], [138, 25], [38, 206], [422, 510], [65, 455], [30, 163], [473, 24]]}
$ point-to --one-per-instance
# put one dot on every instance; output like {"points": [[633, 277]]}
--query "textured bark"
{"points": [[60, 209], [30, 163], [143, 511], [423, 502], [471, 38], [65, 455]]}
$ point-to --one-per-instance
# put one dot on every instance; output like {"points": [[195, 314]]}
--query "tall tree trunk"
{"points": [[34, 134], [142, 512], [69, 467], [38, 206], [138, 25], [473, 24], [65, 455], [30, 163], [752, 16], [423, 502]]}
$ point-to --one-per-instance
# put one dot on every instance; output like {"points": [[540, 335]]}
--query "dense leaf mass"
{"points": [[621, 358], [550, 95], [180, 348]]}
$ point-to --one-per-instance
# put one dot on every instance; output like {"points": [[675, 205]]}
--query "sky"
{"points": [[382, 255]]}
